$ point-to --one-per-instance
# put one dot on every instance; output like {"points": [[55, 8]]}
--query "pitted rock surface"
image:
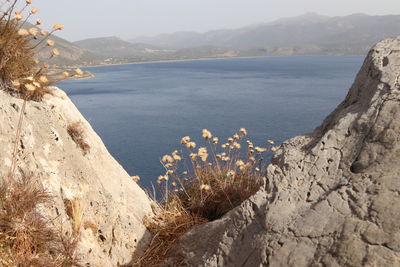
{"points": [[331, 198]]}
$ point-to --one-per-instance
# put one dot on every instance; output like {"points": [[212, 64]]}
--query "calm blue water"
{"points": [[142, 111]]}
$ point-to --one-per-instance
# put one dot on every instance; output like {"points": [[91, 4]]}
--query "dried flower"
{"points": [[55, 52], [163, 178], [30, 87], [33, 31], [206, 134], [50, 42], [177, 157], [58, 27], [167, 158], [23, 32], [39, 21], [66, 74], [79, 72], [215, 140], [191, 145], [173, 184], [185, 172], [236, 136], [203, 153], [43, 79], [34, 10], [239, 163], [260, 149], [18, 17], [136, 178], [275, 148], [168, 165], [226, 158], [270, 142], [243, 131], [193, 156], [205, 187], [185, 140], [170, 172], [236, 145], [43, 32], [230, 139], [28, 2]]}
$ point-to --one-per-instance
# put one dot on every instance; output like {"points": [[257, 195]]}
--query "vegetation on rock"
{"points": [[202, 188]]}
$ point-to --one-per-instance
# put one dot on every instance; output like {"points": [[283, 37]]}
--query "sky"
{"points": [[131, 18]]}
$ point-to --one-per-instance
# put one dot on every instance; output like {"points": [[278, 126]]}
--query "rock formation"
{"points": [[331, 198], [111, 205]]}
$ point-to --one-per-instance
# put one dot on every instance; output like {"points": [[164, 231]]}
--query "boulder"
{"points": [[109, 203], [330, 198]]}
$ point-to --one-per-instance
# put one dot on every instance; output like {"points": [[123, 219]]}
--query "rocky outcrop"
{"points": [[110, 205], [331, 198]]}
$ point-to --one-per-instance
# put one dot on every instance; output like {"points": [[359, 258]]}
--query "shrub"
{"points": [[203, 188], [75, 130], [26, 239], [20, 72]]}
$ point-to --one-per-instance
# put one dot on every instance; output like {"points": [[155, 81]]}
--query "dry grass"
{"points": [[26, 239], [76, 132], [75, 212], [167, 227], [203, 188], [20, 73]]}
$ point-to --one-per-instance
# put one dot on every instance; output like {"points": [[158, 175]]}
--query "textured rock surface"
{"points": [[331, 198], [113, 205]]}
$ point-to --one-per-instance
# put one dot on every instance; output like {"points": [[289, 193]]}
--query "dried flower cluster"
{"points": [[20, 72], [202, 183]]}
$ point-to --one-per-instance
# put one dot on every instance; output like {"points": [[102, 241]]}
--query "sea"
{"points": [[141, 111]]}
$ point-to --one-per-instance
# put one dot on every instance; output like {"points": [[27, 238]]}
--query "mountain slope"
{"points": [[114, 46], [70, 54], [306, 34]]}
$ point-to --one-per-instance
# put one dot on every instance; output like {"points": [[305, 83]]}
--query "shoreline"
{"points": [[91, 75], [204, 59], [164, 61]]}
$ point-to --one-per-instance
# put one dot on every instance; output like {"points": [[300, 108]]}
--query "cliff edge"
{"points": [[110, 206], [331, 198]]}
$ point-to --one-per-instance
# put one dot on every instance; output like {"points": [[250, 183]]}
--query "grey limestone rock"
{"points": [[113, 205], [330, 198]]}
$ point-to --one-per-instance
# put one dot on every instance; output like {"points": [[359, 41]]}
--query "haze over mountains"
{"points": [[309, 34]]}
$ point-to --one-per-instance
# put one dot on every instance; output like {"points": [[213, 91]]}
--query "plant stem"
{"points": [[16, 142]]}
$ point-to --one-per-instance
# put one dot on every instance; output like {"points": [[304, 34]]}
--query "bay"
{"points": [[141, 111]]}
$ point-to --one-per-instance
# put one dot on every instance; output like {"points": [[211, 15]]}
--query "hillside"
{"points": [[309, 34], [70, 54], [116, 50]]}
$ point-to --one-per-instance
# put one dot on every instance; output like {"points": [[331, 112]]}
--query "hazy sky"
{"points": [[131, 18]]}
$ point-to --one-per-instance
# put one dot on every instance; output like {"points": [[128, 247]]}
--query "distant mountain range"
{"points": [[309, 34]]}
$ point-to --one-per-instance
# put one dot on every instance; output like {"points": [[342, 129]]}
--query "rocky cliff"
{"points": [[331, 198], [89, 187]]}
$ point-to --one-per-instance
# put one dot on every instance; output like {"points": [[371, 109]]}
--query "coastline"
{"points": [[91, 75]]}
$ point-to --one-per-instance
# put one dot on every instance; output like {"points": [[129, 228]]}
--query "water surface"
{"points": [[141, 111]]}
